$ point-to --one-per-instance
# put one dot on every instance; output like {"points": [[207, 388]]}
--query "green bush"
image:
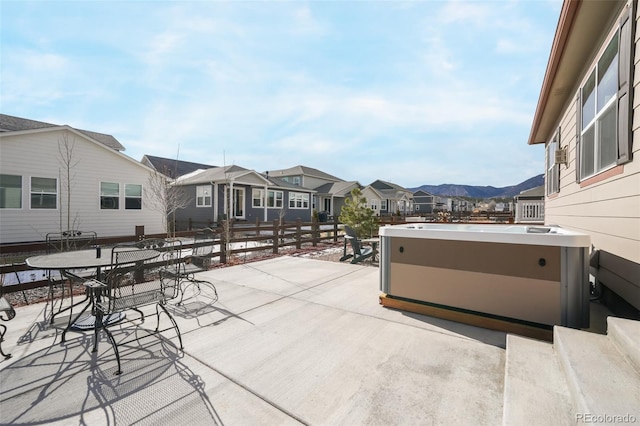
{"points": [[356, 214]]}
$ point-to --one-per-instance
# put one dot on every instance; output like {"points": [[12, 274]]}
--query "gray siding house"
{"points": [[242, 194], [330, 192], [424, 202]]}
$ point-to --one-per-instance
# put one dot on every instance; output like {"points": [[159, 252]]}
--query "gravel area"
{"points": [[331, 252]]}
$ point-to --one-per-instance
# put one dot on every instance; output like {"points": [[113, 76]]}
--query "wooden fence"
{"points": [[239, 237], [235, 239]]}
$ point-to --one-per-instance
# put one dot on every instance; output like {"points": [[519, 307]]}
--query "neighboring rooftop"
{"points": [[173, 168], [302, 171], [9, 123], [537, 192]]}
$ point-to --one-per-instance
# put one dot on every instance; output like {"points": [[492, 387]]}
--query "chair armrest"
{"points": [[7, 309]]}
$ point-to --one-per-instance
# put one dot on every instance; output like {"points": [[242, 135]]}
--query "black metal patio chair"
{"points": [[138, 277], [197, 260], [58, 242], [7, 313]]}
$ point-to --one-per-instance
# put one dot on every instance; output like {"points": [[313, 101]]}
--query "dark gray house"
{"points": [[424, 202], [243, 195]]}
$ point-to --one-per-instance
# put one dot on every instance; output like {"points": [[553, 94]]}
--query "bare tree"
{"points": [[67, 162], [166, 198]]}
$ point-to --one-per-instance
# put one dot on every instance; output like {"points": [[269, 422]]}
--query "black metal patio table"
{"points": [[82, 259]]}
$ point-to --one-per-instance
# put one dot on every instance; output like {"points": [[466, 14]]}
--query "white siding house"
{"points": [[107, 192], [587, 117]]}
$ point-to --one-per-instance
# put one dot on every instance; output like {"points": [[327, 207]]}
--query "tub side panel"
{"points": [[526, 299], [516, 260]]}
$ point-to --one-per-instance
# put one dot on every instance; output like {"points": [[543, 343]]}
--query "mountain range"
{"points": [[483, 192]]}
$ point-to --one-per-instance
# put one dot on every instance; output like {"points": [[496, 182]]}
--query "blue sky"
{"points": [[420, 92]]}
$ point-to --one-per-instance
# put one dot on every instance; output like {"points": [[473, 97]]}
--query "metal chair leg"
{"points": [[4, 330]]}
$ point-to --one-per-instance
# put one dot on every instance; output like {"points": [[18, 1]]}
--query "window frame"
{"points": [[275, 199], [299, 200], [43, 193], [552, 169], [260, 197], [201, 199], [591, 139], [374, 204], [104, 196], [5, 188], [130, 197], [384, 205]]}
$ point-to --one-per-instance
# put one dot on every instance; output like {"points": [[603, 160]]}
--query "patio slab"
{"points": [[289, 340]]}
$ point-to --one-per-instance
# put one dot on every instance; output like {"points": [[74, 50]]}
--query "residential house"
{"points": [[56, 177], [330, 191], [241, 194], [392, 198], [585, 119], [172, 168], [530, 205], [424, 202]]}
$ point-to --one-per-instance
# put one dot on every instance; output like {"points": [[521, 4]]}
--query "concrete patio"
{"points": [[290, 340]]}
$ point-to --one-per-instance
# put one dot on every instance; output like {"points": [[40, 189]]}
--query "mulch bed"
{"points": [[325, 251]]}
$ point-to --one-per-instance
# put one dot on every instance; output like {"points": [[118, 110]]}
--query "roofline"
{"points": [[565, 24], [78, 133]]}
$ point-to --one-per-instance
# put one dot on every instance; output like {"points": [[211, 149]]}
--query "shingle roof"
{"points": [[173, 168], [303, 170], [216, 174], [336, 188], [286, 185], [9, 123], [538, 191]]}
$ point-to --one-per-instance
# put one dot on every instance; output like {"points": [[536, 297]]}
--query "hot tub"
{"points": [[535, 275]]}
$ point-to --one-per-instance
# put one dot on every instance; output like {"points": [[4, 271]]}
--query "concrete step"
{"points": [[535, 392], [601, 381], [625, 334]]}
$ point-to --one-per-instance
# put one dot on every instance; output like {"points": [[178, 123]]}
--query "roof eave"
{"points": [[581, 28]]}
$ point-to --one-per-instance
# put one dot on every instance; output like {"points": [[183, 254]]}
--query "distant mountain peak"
{"points": [[454, 190]]}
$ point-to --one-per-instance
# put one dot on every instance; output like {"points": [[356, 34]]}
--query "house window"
{"points": [[10, 192], [374, 204], [275, 199], [44, 193], [598, 145], [296, 180], [203, 196], [257, 198], [109, 196], [552, 179], [132, 196], [298, 200], [383, 205]]}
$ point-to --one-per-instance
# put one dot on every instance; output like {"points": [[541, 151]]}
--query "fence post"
{"points": [[298, 234], [314, 230], [335, 229], [223, 247], [275, 236]]}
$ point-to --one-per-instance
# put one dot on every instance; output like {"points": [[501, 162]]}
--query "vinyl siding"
{"points": [[609, 210], [36, 154]]}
